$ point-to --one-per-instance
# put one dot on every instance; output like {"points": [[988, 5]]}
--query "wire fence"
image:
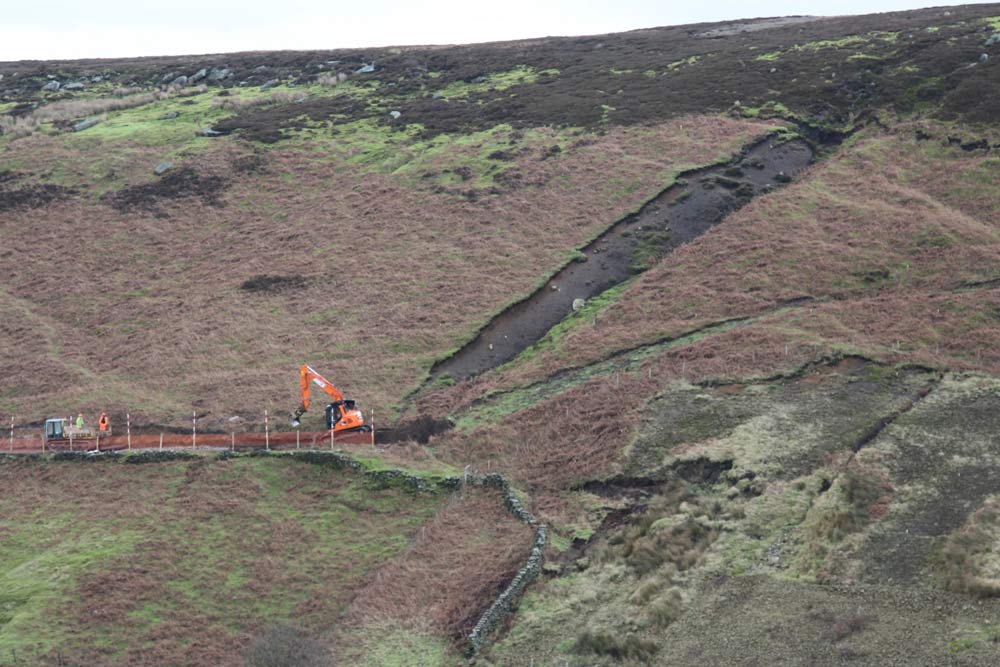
{"points": [[32, 439]]}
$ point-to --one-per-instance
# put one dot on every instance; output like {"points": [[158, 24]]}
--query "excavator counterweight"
{"points": [[342, 414]]}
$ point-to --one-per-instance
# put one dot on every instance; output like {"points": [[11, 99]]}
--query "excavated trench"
{"points": [[683, 212]]}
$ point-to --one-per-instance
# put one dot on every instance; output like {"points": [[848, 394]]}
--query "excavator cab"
{"points": [[344, 416], [55, 429]]}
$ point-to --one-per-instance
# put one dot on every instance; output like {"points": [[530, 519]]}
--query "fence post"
{"points": [[232, 441], [71, 441], [194, 430], [373, 428], [161, 441], [332, 436], [296, 438], [267, 433], [128, 430], [12, 433]]}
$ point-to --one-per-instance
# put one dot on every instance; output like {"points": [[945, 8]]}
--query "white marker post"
{"points": [[296, 438], [267, 433], [232, 441], [128, 430], [194, 430], [161, 441]]}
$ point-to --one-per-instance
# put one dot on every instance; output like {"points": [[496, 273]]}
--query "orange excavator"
{"points": [[342, 414]]}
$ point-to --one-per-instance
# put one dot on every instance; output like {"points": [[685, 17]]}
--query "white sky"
{"points": [[55, 29]]}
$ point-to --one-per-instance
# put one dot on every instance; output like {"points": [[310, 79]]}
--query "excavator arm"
{"points": [[348, 417]]}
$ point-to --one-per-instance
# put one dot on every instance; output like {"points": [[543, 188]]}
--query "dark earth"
{"points": [[677, 215]]}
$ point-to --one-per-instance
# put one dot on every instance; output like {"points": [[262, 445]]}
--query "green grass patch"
{"points": [[495, 81], [233, 542]]}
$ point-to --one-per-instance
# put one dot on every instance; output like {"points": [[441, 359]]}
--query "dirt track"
{"points": [[676, 216], [281, 440]]}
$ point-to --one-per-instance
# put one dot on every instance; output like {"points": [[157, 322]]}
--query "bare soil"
{"points": [[179, 184], [15, 194]]}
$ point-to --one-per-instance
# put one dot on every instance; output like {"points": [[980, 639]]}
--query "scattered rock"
{"points": [[270, 84], [75, 85], [96, 79], [395, 115], [209, 132], [219, 73], [984, 57], [782, 177], [366, 68], [168, 77], [169, 116], [86, 124], [51, 86], [162, 168], [198, 76], [578, 304], [179, 81], [993, 40]]}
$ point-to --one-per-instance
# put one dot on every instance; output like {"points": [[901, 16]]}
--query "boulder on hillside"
{"points": [[51, 86], [162, 168], [75, 85], [366, 68], [219, 73], [993, 40], [179, 81], [86, 124], [198, 76]]}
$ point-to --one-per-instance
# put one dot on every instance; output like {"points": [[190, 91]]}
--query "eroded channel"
{"points": [[696, 203]]}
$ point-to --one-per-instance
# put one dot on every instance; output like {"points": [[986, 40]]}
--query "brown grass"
{"points": [[460, 561], [396, 272], [889, 215]]}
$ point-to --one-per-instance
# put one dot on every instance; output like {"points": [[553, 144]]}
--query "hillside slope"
{"points": [[769, 439]]}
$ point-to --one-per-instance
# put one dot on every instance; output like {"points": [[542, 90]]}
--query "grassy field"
{"points": [[186, 563]]}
